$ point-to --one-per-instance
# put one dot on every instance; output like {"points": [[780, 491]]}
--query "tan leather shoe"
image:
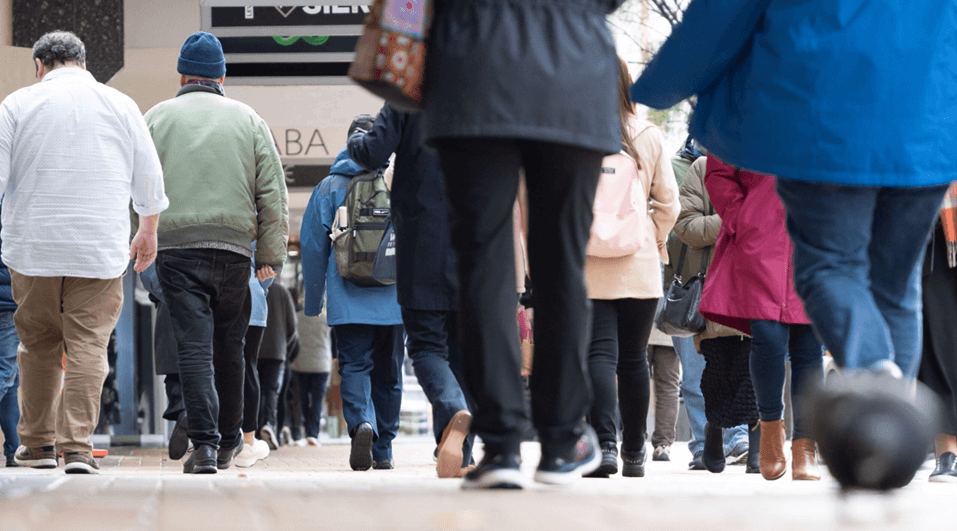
{"points": [[772, 460], [804, 460], [449, 463]]}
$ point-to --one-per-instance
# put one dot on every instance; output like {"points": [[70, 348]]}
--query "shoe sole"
{"points": [[505, 478], [36, 463], [661, 458], [80, 468], [565, 478], [942, 478], [360, 458], [179, 440], [210, 469], [449, 462]]}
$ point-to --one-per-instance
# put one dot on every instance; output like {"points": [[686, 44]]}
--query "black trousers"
{"points": [[481, 183], [618, 364], [938, 367], [270, 381], [251, 386]]}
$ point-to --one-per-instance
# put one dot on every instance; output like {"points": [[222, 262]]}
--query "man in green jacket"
{"points": [[226, 188]]}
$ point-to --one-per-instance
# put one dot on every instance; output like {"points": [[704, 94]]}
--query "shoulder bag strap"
{"points": [[706, 257], [681, 260]]}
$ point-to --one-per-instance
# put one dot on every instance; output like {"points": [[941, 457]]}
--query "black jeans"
{"points": [[270, 380], [619, 347], [208, 295], [481, 184], [251, 386], [312, 389]]}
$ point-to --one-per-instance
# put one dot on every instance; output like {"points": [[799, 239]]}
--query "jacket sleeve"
{"points": [[372, 150], [724, 190], [147, 188], [292, 329], [711, 37], [663, 192], [315, 247], [272, 208], [696, 226]]}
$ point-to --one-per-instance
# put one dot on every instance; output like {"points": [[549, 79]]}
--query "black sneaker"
{"points": [[11, 462], [563, 467], [224, 457], [361, 456], [268, 434], [738, 455], [696, 463], [633, 463], [946, 469], [495, 471], [385, 464], [179, 439], [202, 460], [609, 461]]}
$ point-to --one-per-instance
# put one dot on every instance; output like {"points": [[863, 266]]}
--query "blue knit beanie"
{"points": [[202, 55]]}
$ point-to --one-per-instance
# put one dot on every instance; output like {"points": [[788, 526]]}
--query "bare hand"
{"points": [[143, 249], [265, 273]]}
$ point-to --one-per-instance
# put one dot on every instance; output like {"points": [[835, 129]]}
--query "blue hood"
{"points": [[345, 166]]}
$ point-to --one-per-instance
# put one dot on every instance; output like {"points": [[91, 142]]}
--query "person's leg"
{"points": [[856, 252], [91, 309], [252, 388], [457, 366], [635, 319], [481, 185], [355, 344], [9, 383], [312, 387], [561, 183], [666, 373], [270, 376], [602, 366], [692, 365], [807, 371], [186, 277], [769, 343], [386, 377]]}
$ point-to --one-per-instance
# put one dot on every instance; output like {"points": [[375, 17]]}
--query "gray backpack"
{"points": [[359, 226]]}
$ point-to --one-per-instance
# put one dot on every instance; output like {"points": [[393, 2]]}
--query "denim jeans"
{"points": [[312, 390], [9, 382], [370, 364], [771, 344], [857, 257], [207, 292], [692, 365], [432, 343]]}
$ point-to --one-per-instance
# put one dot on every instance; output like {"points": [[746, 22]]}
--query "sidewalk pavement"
{"points": [[313, 488]]}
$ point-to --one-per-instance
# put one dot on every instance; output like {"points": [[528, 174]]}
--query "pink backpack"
{"points": [[620, 209]]}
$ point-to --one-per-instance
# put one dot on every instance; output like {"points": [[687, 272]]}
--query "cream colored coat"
{"points": [[638, 276]]}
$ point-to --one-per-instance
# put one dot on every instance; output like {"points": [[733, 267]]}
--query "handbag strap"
{"points": [[706, 257], [681, 260]]}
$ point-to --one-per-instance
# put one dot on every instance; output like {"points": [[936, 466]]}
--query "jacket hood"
{"points": [[345, 166]]}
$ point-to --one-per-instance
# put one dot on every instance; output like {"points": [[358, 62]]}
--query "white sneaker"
{"points": [[312, 441], [250, 454]]}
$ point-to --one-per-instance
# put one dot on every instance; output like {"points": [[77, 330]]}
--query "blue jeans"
{"points": [[370, 364], [692, 365], [857, 257], [207, 292], [9, 383], [432, 343], [771, 344]]}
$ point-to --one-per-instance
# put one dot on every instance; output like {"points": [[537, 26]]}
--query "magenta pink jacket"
{"points": [[750, 275]]}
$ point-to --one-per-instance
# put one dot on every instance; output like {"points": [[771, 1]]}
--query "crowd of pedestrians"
{"points": [[810, 233]]}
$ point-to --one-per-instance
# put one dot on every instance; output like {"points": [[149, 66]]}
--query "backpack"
{"points": [[359, 226], [620, 209]]}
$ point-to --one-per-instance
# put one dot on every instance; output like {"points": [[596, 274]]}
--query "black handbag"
{"points": [[677, 313]]}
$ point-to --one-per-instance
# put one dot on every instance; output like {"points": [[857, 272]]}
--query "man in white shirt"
{"points": [[73, 152]]}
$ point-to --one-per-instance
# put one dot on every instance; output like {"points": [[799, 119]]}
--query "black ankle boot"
{"points": [[754, 449], [713, 455]]}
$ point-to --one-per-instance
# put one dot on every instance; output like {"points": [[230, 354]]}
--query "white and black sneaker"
{"points": [[496, 471], [564, 466]]}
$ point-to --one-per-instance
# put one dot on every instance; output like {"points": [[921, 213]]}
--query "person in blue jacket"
{"points": [[851, 105], [367, 322], [9, 371], [425, 276]]}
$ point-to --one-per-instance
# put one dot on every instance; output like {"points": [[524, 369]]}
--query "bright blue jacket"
{"points": [[857, 92], [348, 303]]}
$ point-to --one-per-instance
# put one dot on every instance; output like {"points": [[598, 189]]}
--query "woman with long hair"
{"points": [[624, 292]]}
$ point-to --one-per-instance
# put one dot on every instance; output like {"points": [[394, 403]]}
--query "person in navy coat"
{"points": [[850, 103]]}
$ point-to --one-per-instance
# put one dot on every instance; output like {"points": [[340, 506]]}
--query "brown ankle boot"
{"points": [[804, 460], [772, 460]]}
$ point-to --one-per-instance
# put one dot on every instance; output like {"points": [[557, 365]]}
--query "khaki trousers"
{"points": [[57, 317]]}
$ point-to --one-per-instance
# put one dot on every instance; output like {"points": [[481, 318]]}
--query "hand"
{"points": [[265, 273], [143, 249]]}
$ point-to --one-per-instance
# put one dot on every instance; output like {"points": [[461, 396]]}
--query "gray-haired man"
{"points": [[73, 152]]}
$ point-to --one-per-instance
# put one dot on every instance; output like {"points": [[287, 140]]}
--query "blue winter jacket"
{"points": [[856, 92], [348, 303]]}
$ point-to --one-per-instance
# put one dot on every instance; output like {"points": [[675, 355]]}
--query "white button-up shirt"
{"points": [[72, 153]]}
